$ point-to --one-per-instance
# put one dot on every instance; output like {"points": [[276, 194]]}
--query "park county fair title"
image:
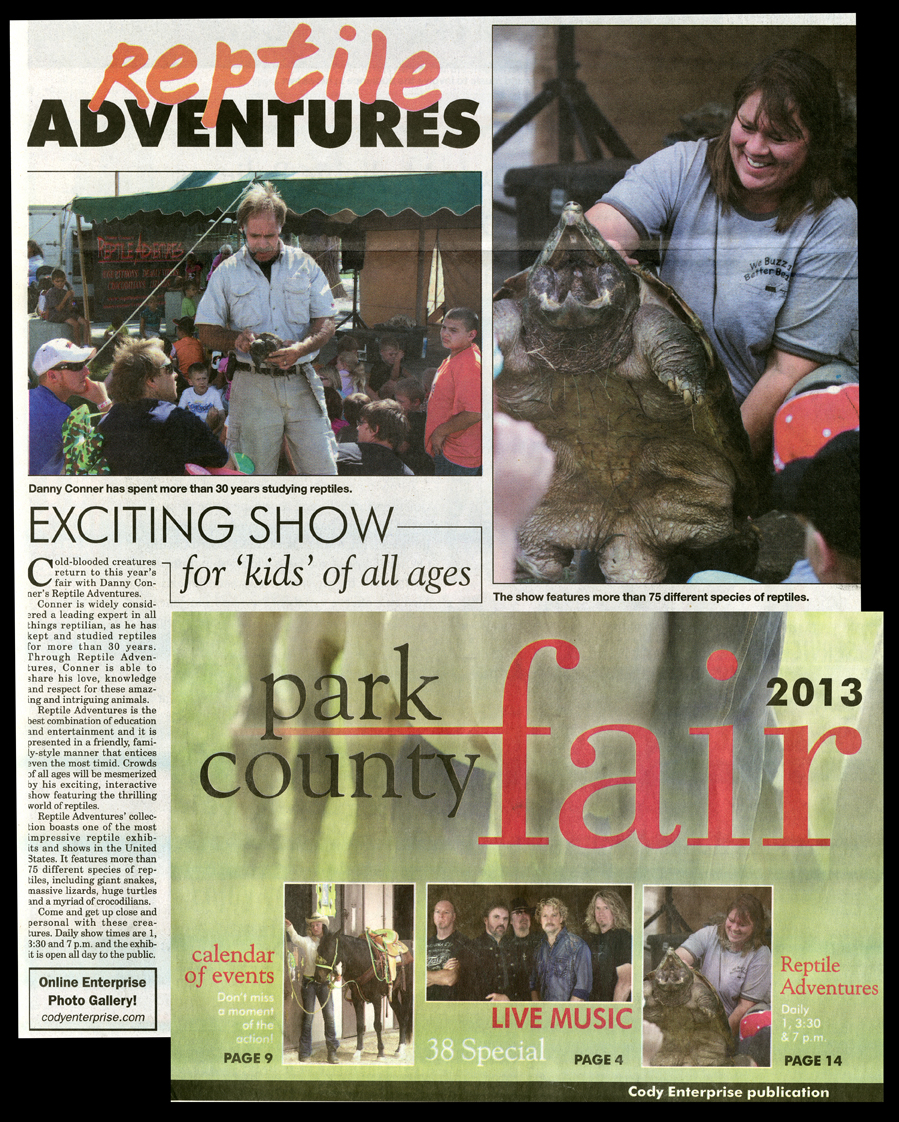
{"points": [[412, 115], [516, 731]]}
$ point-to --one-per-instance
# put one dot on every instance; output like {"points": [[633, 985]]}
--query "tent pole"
{"points": [[421, 311], [87, 303]]}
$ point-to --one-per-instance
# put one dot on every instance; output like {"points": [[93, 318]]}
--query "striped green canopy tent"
{"points": [[406, 228], [213, 194]]}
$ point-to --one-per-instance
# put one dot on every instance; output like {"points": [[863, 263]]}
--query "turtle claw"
{"points": [[690, 396]]}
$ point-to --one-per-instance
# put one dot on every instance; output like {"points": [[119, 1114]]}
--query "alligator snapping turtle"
{"points": [[652, 459], [686, 1008]]}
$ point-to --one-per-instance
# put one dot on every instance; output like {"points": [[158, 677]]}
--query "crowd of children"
{"points": [[350, 390]]}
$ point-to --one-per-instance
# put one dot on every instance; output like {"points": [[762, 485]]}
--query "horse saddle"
{"points": [[387, 941], [387, 953]]}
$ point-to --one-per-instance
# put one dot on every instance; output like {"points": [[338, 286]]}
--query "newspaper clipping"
{"points": [[551, 770]]}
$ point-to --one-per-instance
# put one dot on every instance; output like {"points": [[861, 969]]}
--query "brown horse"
{"points": [[365, 977]]}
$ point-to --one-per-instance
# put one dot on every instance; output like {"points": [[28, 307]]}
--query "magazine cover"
{"points": [[540, 769], [543, 811]]}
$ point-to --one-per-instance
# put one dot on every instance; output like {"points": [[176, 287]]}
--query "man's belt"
{"points": [[276, 371]]}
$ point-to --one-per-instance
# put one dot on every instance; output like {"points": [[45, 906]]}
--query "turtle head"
{"points": [[579, 281], [673, 980]]}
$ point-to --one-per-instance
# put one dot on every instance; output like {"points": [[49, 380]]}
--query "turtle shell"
{"points": [[262, 346]]}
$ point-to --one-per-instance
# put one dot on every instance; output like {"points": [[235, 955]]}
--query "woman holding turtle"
{"points": [[734, 958]]}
